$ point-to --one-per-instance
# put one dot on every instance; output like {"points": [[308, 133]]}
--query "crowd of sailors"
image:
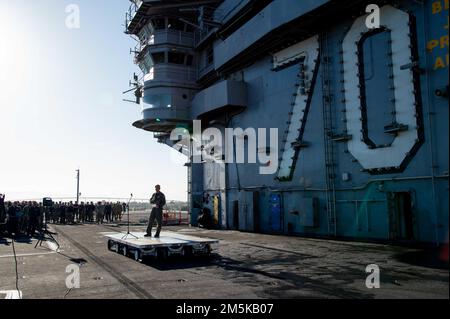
{"points": [[25, 218]]}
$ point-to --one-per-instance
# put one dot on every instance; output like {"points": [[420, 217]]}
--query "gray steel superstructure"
{"points": [[361, 112]]}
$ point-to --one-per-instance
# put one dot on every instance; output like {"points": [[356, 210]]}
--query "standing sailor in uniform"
{"points": [[158, 201]]}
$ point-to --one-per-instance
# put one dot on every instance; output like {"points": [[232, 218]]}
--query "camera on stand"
{"points": [[47, 202]]}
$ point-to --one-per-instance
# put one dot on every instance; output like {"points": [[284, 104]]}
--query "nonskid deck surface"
{"points": [[166, 239]]}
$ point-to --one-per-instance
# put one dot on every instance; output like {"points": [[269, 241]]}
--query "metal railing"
{"points": [[132, 10], [136, 204], [202, 34], [205, 70], [172, 218]]}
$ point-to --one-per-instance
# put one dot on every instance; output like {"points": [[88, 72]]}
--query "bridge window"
{"points": [[158, 57], [159, 24], [157, 101], [176, 58]]}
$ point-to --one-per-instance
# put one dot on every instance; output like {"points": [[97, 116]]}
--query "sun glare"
{"points": [[12, 54]]}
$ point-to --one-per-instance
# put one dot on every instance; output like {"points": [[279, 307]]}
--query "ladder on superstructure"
{"points": [[328, 135]]}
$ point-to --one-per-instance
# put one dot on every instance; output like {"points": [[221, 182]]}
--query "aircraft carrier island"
{"points": [[353, 98]]}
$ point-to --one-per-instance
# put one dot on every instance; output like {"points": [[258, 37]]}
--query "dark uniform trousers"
{"points": [[33, 221], [157, 213]]}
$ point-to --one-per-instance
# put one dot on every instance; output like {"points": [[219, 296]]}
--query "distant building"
{"points": [[361, 111]]}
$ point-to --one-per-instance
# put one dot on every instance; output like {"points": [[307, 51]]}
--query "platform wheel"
{"points": [[125, 250], [116, 248], [137, 255], [110, 245]]}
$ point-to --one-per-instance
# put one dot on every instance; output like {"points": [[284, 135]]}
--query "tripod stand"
{"points": [[128, 222], [45, 234]]}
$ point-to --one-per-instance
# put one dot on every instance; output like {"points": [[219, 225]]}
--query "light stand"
{"points": [[45, 234], [128, 222]]}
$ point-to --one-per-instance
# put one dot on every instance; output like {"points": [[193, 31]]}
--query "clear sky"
{"points": [[61, 106]]}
